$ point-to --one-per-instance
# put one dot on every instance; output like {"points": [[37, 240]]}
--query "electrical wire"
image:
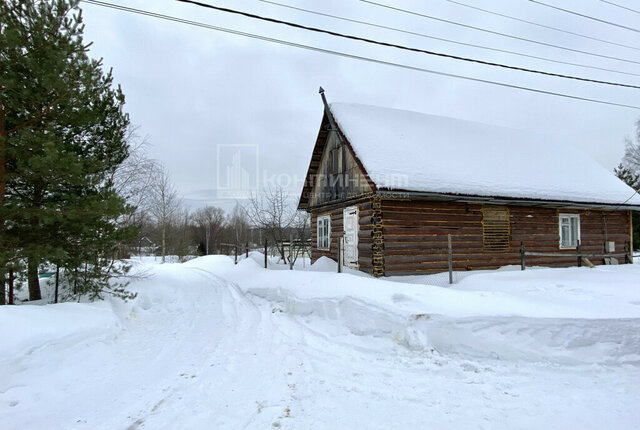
{"points": [[620, 6], [497, 33], [585, 16], [625, 202], [543, 25], [413, 33], [403, 47], [350, 56]]}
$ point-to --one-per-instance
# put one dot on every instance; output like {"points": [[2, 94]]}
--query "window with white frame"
{"points": [[323, 231], [569, 226]]}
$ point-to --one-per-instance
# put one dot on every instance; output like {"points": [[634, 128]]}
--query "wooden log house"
{"points": [[389, 186]]}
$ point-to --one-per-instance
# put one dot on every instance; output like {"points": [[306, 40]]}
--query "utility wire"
{"points": [[620, 6], [351, 56], [623, 203], [371, 24], [542, 25], [586, 16], [497, 32], [403, 47]]}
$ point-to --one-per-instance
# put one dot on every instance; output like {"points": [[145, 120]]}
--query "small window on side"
{"points": [[323, 232], [335, 161], [569, 229]]}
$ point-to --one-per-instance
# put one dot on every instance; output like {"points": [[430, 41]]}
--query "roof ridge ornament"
{"points": [[332, 121]]}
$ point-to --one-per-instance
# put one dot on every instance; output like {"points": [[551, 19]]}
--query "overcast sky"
{"points": [[204, 96]]}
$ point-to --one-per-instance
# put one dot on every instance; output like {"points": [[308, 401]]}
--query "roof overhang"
{"points": [[499, 200]]}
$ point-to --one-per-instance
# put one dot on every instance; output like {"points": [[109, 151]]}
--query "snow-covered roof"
{"points": [[413, 151]]}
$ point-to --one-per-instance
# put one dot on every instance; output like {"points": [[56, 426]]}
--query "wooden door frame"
{"points": [[357, 235]]}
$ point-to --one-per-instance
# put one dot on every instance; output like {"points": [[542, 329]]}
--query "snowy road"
{"points": [[212, 345]]}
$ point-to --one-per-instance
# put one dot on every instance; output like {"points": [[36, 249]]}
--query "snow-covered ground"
{"points": [[208, 344]]}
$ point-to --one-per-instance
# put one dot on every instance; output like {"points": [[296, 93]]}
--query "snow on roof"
{"points": [[418, 152]]}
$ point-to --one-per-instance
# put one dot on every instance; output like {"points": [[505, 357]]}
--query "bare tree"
{"points": [[272, 212], [300, 235], [134, 178], [164, 204], [632, 151], [209, 221], [238, 226], [182, 240]]}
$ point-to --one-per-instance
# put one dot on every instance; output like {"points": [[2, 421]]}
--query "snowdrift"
{"points": [[24, 329], [211, 344], [575, 315]]}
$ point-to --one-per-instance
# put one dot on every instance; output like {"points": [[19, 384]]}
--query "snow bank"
{"points": [[556, 340], [171, 288], [324, 264], [603, 292], [161, 289], [26, 328], [574, 315], [210, 344]]}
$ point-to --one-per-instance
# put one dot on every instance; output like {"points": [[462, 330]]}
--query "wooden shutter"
{"points": [[495, 229]]}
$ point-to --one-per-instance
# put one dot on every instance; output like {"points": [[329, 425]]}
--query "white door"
{"points": [[350, 253]]}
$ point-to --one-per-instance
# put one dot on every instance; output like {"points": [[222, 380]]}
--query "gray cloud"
{"points": [[191, 89]]}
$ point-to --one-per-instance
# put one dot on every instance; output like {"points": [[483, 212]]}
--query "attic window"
{"points": [[335, 161], [495, 229]]}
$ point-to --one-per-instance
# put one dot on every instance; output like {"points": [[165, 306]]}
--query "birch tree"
{"points": [[164, 204]]}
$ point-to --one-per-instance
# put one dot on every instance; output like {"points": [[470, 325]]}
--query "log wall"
{"points": [[415, 235], [365, 228]]}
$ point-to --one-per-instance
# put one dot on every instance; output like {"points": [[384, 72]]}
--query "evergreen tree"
{"points": [[62, 135], [631, 178]]}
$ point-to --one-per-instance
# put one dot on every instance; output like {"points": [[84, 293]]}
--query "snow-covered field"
{"points": [[212, 345]]}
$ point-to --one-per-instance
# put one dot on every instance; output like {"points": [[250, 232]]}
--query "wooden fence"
{"points": [[581, 257]]}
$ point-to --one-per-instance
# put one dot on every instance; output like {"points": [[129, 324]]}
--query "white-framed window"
{"points": [[323, 231], [569, 227]]}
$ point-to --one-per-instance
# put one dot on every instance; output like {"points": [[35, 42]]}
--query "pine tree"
{"points": [[631, 178], [62, 135]]}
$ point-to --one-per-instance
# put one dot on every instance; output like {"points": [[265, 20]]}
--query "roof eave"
{"points": [[504, 200]]}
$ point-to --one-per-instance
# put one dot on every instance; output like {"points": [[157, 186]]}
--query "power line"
{"points": [[403, 47], [620, 6], [413, 33], [542, 25], [498, 33], [623, 203], [346, 55], [586, 16]]}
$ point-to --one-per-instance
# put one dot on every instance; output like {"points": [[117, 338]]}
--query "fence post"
{"points": [[450, 258], [290, 251], [3, 289], [339, 254], [522, 262], [55, 300], [235, 254], [628, 256], [579, 251], [266, 249], [11, 286]]}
